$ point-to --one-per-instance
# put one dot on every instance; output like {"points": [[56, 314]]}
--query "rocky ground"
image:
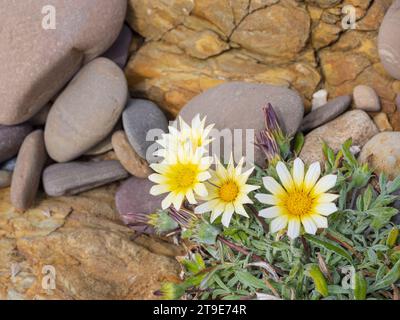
{"points": [[75, 113]]}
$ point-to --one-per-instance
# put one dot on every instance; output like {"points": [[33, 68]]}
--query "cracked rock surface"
{"points": [[192, 45]]}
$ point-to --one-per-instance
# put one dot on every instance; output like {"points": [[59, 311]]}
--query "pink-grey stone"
{"points": [[28, 170], [119, 51], [389, 40], [238, 105], [87, 111], [9, 165], [75, 177], [35, 63], [11, 138], [365, 98], [326, 113]]}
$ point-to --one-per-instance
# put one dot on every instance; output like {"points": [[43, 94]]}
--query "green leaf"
{"points": [[330, 246], [393, 185], [367, 198], [392, 237], [360, 286], [318, 278], [249, 280], [207, 233], [391, 277], [348, 156], [298, 143], [381, 216], [328, 153]]}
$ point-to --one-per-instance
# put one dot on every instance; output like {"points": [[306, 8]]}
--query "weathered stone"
{"points": [[28, 170], [9, 165], [87, 111], [119, 51], [326, 113], [139, 117], [11, 138], [238, 105], [382, 122], [320, 98], [365, 98], [128, 157], [94, 255], [40, 118], [382, 153], [354, 124], [76, 177], [5, 178], [36, 62]]}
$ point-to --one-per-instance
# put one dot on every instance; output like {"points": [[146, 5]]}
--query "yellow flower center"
{"points": [[185, 177], [298, 203], [229, 191]]}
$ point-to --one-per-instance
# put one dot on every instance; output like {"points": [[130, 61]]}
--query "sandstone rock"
{"points": [[93, 254], [382, 122], [11, 138], [365, 98], [325, 113], [87, 111], [120, 49], [238, 105], [382, 153], [389, 40], [28, 171], [76, 177], [128, 157], [36, 62], [5, 178], [139, 117], [354, 124]]}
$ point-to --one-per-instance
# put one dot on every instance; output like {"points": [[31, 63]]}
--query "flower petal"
{"points": [[312, 175], [270, 213], [177, 200], [266, 198], [309, 225], [190, 197], [284, 176], [239, 209], [324, 184], [272, 186], [202, 208], [326, 197], [158, 189], [298, 172], [166, 203], [201, 190], [320, 221], [325, 209], [278, 223], [227, 215], [293, 228]]}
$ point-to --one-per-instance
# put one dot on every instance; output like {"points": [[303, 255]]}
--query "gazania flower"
{"points": [[300, 199], [181, 175], [227, 192], [197, 134]]}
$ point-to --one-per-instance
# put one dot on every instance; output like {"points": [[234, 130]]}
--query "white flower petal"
{"points": [[325, 209], [270, 213], [293, 228], [239, 209], [203, 176], [326, 197], [177, 200], [227, 215], [158, 189], [190, 197], [324, 184], [309, 225], [272, 186], [312, 175], [320, 221], [201, 190], [216, 213], [202, 208], [166, 203], [266, 198], [278, 223], [298, 172], [284, 176]]}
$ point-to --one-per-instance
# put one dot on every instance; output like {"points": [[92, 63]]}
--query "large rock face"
{"points": [[36, 62], [82, 240], [195, 45]]}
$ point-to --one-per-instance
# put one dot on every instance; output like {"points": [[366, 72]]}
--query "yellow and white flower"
{"points": [[182, 175], [227, 192], [300, 199], [197, 134]]}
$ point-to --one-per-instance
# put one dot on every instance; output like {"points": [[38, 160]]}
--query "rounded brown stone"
{"points": [[128, 157], [28, 170]]}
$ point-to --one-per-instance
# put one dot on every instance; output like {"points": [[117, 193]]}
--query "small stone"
{"points": [[382, 153], [119, 51], [134, 197], [40, 118], [139, 117], [76, 177], [28, 171], [100, 148], [9, 165], [326, 113], [11, 138], [87, 110], [128, 157], [5, 178], [320, 98], [382, 122], [355, 124], [365, 98]]}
